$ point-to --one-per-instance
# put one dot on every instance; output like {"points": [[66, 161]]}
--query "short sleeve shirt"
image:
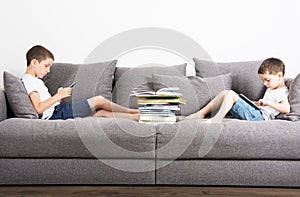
{"points": [[33, 84], [277, 96]]}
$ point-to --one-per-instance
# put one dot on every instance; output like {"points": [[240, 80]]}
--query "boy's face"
{"points": [[270, 80], [42, 68]]}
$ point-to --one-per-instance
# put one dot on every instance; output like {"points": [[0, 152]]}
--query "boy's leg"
{"points": [[213, 104], [109, 114], [229, 99], [99, 102], [244, 111]]}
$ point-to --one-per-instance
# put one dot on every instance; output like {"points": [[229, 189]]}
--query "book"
{"points": [[165, 101], [154, 113], [146, 118], [158, 107], [163, 92], [156, 122]]}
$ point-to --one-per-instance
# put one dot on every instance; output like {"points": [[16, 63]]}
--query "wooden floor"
{"points": [[131, 191]]}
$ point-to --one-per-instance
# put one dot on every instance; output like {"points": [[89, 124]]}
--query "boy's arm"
{"points": [[283, 106], [40, 107]]}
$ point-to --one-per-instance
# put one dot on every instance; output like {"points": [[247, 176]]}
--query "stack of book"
{"points": [[158, 107]]}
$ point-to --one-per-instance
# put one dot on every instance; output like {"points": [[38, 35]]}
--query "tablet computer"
{"points": [[249, 101], [72, 85]]}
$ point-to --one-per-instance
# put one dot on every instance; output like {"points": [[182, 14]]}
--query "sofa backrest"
{"points": [[3, 106], [127, 78], [288, 81]]}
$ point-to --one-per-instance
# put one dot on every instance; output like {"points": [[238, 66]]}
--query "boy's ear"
{"points": [[34, 62], [280, 74]]}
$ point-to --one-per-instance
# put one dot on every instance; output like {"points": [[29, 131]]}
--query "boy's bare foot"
{"points": [[135, 116], [213, 120], [133, 111], [195, 116]]}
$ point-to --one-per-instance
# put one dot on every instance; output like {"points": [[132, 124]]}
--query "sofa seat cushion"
{"points": [[249, 173], [76, 138], [233, 139], [54, 171]]}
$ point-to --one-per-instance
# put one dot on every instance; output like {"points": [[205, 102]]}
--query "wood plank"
{"points": [[124, 191]]}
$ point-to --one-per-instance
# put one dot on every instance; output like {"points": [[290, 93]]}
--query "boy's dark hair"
{"points": [[38, 52], [272, 65]]}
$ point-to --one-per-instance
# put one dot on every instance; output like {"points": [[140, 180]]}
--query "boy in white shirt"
{"points": [[275, 100], [39, 60]]}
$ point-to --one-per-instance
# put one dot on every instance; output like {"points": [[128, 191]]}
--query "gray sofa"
{"points": [[120, 151]]}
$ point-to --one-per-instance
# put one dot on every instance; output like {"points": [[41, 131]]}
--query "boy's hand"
{"points": [[261, 102], [256, 103], [64, 92]]}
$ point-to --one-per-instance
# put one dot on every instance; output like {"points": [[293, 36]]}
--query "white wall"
{"points": [[230, 30]]}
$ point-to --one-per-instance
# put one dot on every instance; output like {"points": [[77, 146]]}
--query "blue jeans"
{"points": [[71, 110], [242, 110]]}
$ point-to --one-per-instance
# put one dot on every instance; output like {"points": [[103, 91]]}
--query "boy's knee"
{"points": [[100, 99], [232, 94], [224, 92], [96, 102]]}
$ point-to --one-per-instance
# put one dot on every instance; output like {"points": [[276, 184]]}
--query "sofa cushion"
{"points": [[17, 97], [90, 137], [92, 79], [294, 99], [75, 171], [197, 91], [230, 172], [233, 139], [128, 78], [3, 108], [245, 79]]}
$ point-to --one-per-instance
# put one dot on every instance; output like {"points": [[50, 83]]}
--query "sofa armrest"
{"points": [[3, 108]]}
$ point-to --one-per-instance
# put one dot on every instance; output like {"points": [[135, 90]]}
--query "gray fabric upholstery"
{"points": [[80, 138], [233, 139], [128, 78], [17, 97], [3, 108], [74, 171], [288, 81], [294, 99], [245, 79], [189, 152], [274, 173], [92, 79], [197, 91]]}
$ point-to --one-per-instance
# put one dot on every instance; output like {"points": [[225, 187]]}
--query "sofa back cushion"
{"points": [[127, 78], [294, 99], [197, 91], [3, 108], [17, 97], [91, 79], [244, 75]]}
